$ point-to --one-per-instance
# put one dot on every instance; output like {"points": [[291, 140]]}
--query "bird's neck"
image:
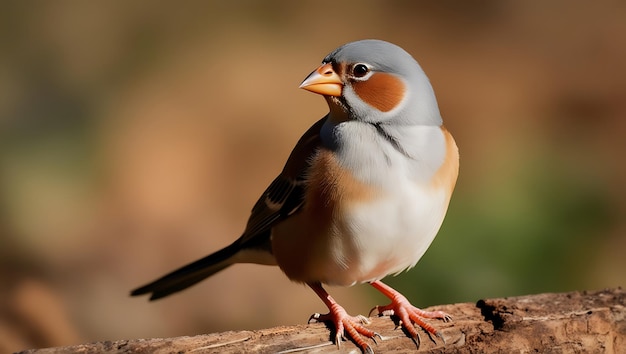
{"points": [[379, 154]]}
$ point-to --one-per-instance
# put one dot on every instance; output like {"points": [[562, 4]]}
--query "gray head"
{"points": [[377, 82]]}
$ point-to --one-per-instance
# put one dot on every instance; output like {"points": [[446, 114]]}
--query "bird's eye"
{"points": [[360, 70]]}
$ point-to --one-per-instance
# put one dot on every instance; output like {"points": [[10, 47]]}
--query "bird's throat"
{"points": [[338, 110]]}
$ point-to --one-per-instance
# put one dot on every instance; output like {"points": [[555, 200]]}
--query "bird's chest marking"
{"points": [[332, 187], [382, 91]]}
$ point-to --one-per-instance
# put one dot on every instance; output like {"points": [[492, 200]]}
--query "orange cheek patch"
{"points": [[381, 91]]}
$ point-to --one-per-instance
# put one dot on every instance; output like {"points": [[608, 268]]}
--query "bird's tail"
{"points": [[190, 274]]}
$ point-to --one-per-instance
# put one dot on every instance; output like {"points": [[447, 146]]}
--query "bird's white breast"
{"points": [[370, 210], [387, 235]]}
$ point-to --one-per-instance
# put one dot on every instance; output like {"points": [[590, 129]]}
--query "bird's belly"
{"points": [[364, 241], [388, 236]]}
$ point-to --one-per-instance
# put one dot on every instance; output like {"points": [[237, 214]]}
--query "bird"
{"points": [[361, 196]]}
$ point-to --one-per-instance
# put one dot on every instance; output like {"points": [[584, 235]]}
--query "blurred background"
{"points": [[136, 136]]}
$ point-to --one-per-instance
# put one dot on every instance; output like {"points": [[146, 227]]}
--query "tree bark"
{"points": [[576, 322]]}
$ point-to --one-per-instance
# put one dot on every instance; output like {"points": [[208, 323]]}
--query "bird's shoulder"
{"points": [[285, 194]]}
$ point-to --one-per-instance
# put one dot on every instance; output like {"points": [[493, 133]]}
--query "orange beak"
{"points": [[324, 81]]}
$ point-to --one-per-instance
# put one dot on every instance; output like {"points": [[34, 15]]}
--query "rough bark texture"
{"points": [[576, 322]]}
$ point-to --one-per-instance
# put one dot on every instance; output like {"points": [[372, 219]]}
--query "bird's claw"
{"points": [[314, 318], [381, 311], [409, 315], [348, 325]]}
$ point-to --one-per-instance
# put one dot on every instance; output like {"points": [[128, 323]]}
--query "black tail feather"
{"points": [[190, 274]]}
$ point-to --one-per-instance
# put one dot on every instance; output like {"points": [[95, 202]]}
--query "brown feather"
{"points": [[446, 175]]}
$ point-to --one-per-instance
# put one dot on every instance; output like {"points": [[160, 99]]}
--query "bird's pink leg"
{"points": [[407, 313], [343, 322]]}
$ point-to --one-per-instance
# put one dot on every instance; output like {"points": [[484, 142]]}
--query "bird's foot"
{"points": [[407, 313], [350, 325]]}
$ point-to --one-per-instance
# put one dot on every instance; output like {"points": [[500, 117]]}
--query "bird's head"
{"points": [[375, 82]]}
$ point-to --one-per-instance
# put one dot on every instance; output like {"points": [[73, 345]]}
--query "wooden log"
{"points": [[576, 322]]}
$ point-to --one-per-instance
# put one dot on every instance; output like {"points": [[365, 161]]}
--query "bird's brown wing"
{"points": [[282, 198], [285, 195]]}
